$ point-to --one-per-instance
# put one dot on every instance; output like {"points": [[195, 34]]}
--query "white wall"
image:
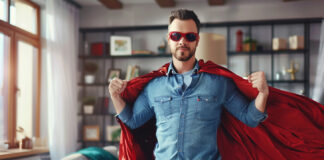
{"points": [[233, 10]]}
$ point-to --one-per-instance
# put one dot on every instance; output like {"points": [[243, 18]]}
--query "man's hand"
{"points": [[116, 87], [259, 81]]}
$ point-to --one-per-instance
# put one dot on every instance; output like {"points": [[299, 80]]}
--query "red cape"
{"points": [[293, 130]]}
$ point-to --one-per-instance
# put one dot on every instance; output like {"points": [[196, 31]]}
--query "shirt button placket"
{"points": [[181, 126]]}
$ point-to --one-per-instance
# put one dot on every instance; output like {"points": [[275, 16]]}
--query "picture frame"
{"points": [[120, 45], [91, 133], [112, 73], [113, 133]]}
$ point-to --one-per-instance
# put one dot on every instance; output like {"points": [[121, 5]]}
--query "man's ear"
{"points": [[167, 37]]}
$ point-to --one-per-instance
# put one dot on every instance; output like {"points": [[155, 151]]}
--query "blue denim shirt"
{"points": [[187, 118]]}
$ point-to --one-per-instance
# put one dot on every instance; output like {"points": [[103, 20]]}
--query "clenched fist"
{"points": [[259, 81], [116, 87]]}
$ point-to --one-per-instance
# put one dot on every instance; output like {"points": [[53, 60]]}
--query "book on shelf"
{"points": [[142, 52], [132, 72]]}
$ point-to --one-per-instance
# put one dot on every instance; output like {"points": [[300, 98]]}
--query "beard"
{"points": [[181, 55]]}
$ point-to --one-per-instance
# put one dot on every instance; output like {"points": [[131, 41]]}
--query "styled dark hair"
{"points": [[184, 14]]}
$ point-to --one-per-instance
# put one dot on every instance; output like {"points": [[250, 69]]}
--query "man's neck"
{"points": [[183, 66]]}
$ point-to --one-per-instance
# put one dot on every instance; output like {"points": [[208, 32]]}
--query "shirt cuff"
{"points": [[256, 114], [125, 114]]}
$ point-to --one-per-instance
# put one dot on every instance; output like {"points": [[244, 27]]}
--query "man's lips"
{"points": [[182, 48]]}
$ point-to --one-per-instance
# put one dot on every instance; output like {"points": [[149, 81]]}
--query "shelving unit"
{"points": [[269, 27], [106, 61]]}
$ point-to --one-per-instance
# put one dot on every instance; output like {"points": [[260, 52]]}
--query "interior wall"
{"points": [[233, 10]]}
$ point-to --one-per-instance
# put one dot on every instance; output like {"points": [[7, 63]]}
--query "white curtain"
{"points": [[62, 24], [319, 83]]}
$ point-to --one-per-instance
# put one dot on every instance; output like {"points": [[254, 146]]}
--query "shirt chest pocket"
{"points": [[207, 108], [165, 107]]}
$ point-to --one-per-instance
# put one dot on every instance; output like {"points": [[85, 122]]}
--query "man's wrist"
{"points": [[115, 96], [264, 93]]}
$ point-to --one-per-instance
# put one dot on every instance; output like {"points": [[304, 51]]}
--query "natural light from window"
{"points": [[27, 82], [3, 10], [4, 63], [23, 16]]}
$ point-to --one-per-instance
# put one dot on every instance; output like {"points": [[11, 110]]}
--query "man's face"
{"points": [[183, 50]]}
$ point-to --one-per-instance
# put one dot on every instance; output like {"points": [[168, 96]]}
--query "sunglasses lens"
{"points": [[175, 36], [191, 37]]}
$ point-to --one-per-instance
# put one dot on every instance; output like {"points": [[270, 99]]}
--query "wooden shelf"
{"points": [[166, 55], [301, 51], [269, 52], [93, 84], [287, 81]]}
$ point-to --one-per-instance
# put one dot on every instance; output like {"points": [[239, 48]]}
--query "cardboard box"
{"points": [[296, 42], [279, 44]]}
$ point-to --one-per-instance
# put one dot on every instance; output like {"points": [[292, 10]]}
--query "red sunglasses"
{"points": [[190, 36]]}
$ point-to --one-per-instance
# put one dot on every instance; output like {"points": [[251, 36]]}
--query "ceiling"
{"points": [[118, 4], [85, 3]]}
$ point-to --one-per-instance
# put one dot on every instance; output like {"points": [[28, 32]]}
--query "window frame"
{"points": [[17, 34]]}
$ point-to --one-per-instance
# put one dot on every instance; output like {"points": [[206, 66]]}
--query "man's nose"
{"points": [[182, 41]]}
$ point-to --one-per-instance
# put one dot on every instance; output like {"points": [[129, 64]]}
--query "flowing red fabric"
{"points": [[293, 130]]}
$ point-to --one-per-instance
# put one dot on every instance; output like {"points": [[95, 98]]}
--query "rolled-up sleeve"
{"points": [[240, 107], [255, 114], [125, 114], [136, 115]]}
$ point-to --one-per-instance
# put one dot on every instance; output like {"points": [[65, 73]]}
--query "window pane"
{"points": [[23, 16], [4, 95], [27, 85], [3, 10]]}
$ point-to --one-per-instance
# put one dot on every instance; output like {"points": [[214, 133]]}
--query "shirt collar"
{"points": [[171, 69]]}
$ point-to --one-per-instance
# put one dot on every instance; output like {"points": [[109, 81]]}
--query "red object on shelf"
{"points": [[239, 41], [98, 49]]}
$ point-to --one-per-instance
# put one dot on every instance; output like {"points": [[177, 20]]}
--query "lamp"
{"points": [[212, 47]]}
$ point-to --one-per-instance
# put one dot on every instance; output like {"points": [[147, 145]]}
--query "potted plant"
{"points": [[249, 44], [90, 69], [88, 105]]}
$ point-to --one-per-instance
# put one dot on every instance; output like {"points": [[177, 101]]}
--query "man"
{"points": [[187, 105]]}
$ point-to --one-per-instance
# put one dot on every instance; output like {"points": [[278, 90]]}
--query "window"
{"points": [[19, 69], [27, 59], [3, 10], [23, 15], [4, 69]]}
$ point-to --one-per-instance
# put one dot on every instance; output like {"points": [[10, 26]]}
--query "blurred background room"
{"points": [[58, 56]]}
